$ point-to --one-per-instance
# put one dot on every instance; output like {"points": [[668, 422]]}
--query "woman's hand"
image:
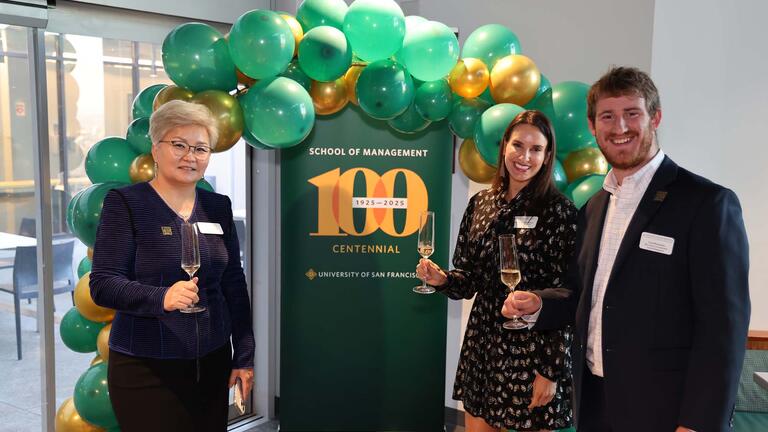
{"points": [[431, 273], [543, 391], [246, 380], [181, 295]]}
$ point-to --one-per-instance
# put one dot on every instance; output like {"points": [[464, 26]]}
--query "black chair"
{"points": [[24, 284]]}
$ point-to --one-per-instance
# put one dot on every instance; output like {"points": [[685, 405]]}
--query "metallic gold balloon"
{"points": [[353, 73], [298, 32], [142, 168], [68, 419], [469, 78], [244, 79], [515, 79], [102, 342], [90, 254], [228, 114], [96, 360], [473, 165], [85, 305], [584, 162], [170, 93], [329, 97]]}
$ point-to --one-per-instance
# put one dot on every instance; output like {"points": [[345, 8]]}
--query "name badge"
{"points": [[526, 222], [657, 243], [209, 228]]}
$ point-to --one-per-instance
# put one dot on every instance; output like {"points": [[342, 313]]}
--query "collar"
{"points": [[639, 180]]}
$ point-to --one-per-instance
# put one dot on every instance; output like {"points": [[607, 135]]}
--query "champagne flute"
{"points": [[426, 245], [510, 274], [190, 258]]}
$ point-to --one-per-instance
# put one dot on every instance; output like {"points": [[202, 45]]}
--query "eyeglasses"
{"points": [[181, 149]]}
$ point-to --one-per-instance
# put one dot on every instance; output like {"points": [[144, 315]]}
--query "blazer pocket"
{"points": [[669, 359]]}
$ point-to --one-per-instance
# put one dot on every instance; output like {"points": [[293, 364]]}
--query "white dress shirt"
{"points": [[623, 202]]}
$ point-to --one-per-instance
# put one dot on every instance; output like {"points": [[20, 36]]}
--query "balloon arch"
{"points": [[268, 79]]}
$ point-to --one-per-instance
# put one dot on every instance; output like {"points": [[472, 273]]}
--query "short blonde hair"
{"points": [[177, 113]]}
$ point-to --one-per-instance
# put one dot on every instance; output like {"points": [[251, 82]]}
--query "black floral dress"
{"points": [[494, 378]]}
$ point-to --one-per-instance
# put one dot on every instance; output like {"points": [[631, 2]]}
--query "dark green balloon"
{"points": [[569, 99], [71, 210], [110, 160], [138, 135], [465, 114], [315, 13], [409, 122], [434, 100], [489, 130], [92, 397], [582, 189], [490, 43], [558, 175], [384, 89], [253, 142], [543, 103], [486, 96], [84, 267], [324, 53], [87, 211], [296, 73], [261, 44], [278, 112], [203, 184], [78, 333], [544, 85], [142, 104], [196, 57]]}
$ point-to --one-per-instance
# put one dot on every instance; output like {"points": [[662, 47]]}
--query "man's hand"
{"points": [[521, 303]]}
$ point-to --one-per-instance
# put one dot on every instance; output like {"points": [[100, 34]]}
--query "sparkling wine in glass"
{"points": [[510, 274], [190, 257], [426, 246]]}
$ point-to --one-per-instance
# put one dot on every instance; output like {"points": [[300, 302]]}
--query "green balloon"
{"points": [[465, 114], [375, 28], [110, 160], [142, 104], [544, 85], [543, 103], [87, 211], [294, 72], [490, 43], [71, 210], [384, 89], [84, 267], [490, 129], [92, 397], [196, 57], [431, 51], [569, 99], [203, 184], [558, 175], [486, 96], [582, 189], [315, 13], [324, 54], [412, 22], [434, 100], [409, 122], [261, 44], [253, 142], [78, 333], [138, 135], [278, 112]]}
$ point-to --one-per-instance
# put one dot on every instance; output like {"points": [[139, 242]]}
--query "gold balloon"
{"points": [[96, 360], [90, 254], [244, 79], [170, 93], [473, 165], [298, 32], [68, 419], [142, 168], [515, 79], [584, 162], [85, 305], [102, 342], [228, 114], [469, 78], [329, 97], [353, 73]]}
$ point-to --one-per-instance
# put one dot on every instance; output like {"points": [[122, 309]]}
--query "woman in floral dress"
{"points": [[514, 379]]}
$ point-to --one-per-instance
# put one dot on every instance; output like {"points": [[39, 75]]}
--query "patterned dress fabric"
{"points": [[494, 378]]}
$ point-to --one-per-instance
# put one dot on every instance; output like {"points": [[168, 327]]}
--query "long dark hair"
{"points": [[542, 185]]}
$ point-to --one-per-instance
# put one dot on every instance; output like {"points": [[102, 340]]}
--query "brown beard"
{"points": [[643, 153]]}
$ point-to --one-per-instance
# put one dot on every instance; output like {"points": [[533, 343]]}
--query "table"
{"points": [[761, 378], [12, 241]]}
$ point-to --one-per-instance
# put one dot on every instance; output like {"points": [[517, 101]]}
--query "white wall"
{"points": [[223, 11], [711, 72]]}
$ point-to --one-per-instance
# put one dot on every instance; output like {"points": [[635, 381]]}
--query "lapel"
{"points": [[647, 208]]}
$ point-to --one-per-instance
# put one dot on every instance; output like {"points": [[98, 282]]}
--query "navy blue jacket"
{"points": [[137, 257]]}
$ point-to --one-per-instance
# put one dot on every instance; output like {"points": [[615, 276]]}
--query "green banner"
{"points": [[359, 350]]}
